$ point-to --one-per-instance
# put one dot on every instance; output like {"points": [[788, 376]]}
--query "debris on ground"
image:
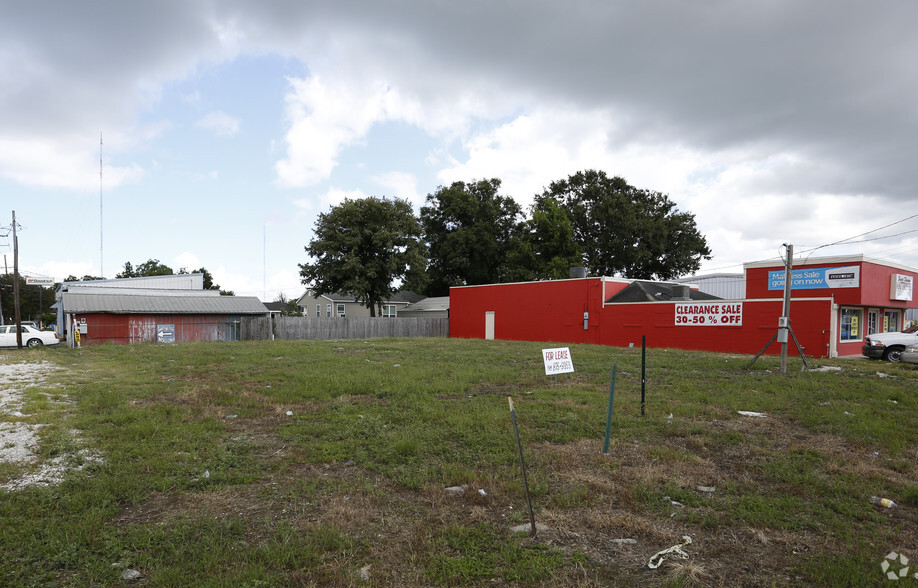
{"points": [[750, 413], [883, 502], [527, 527], [657, 559]]}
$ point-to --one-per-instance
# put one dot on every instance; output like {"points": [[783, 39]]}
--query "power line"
{"points": [[847, 240]]}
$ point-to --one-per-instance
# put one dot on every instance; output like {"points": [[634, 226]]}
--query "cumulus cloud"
{"points": [[401, 185], [61, 164], [803, 113], [326, 200], [220, 123], [186, 260]]}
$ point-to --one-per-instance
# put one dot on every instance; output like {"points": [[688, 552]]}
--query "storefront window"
{"points": [[851, 324], [891, 321]]}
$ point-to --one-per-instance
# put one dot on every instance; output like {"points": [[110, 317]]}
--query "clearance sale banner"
{"points": [[709, 314]]}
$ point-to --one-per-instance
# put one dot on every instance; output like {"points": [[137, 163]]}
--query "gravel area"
{"points": [[18, 439]]}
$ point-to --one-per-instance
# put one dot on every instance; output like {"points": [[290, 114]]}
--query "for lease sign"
{"points": [[694, 314], [557, 361]]}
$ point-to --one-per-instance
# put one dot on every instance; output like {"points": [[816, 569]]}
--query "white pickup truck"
{"points": [[889, 346]]}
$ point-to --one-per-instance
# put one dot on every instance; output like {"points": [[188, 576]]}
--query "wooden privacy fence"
{"points": [[300, 328]]}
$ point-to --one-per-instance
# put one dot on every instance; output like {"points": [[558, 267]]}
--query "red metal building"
{"points": [[164, 309], [593, 310]]}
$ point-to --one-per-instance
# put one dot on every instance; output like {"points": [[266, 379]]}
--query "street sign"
{"points": [[39, 281]]}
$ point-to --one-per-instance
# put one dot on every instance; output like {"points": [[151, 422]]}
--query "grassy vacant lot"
{"points": [[205, 479]]}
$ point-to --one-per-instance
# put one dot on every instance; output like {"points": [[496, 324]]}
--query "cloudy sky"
{"points": [[226, 127]]}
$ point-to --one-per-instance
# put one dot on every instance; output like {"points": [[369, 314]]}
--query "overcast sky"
{"points": [[228, 126]]}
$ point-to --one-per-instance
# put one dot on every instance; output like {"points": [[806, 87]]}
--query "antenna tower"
{"points": [[101, 249]]}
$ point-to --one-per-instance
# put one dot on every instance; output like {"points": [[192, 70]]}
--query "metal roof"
{"points": [[433, 304], [402, 296], [646, 291], [152, 304], [170, 281], [74, 289]]}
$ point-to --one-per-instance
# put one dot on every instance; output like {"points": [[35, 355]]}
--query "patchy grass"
{"points": [[205, 479]]}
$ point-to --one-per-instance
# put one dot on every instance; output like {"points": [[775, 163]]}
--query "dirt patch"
{"points": [[19, 437]]}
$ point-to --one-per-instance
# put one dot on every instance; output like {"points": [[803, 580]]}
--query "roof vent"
{"points": [[578, 272], [681, 292]]}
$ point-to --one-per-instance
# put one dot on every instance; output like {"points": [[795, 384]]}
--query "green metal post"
{"points": [[605, 448], [643, 369], [519, 448]]}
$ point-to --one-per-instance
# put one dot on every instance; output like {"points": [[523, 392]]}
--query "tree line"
{"points": [[469, 233]]}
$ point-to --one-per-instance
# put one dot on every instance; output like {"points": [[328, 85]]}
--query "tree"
{"points": [[86, 278], [290, 306], [629, 231], [151, 267], [470, 231], [362, 247], [209, 283], [34, 301], [546, 249]]}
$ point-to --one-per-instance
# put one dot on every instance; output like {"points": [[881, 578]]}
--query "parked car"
{"points": [[910, 355], [31, 337], [889, 346]]}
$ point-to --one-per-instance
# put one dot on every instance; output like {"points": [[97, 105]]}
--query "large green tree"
{"points": [[363, 247], [629, 231], [470, 230], [546, 249]]}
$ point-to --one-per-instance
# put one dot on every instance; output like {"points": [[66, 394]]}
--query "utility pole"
{"points": [[17, 316], [784, 321]]}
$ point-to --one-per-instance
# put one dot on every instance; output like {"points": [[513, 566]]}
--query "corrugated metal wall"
{"points": [[139, 328]]}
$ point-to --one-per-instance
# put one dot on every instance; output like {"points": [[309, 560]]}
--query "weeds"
{"points": [[325, 463]]}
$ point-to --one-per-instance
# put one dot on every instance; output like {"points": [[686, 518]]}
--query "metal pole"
{"points": [[16, 313], [785, 311], [605, 447], [519, 449], [643, 369]]}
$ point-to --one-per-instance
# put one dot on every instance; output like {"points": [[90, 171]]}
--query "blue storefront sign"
{"points": [[819, 277]]}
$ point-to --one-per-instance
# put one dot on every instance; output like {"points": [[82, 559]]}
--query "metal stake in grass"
{"points": [[643, 369], [605, 448], [519, 449]]}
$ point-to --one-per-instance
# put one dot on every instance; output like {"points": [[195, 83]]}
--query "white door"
{"points": [[489, 325]]}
